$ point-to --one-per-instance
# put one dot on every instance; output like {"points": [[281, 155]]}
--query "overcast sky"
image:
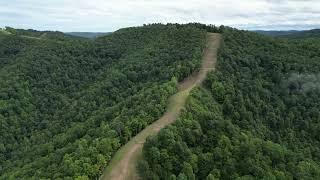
{"points": [[110, 15]]}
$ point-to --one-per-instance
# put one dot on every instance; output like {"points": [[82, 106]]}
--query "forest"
{"points": [[67, 103], [256, 117]]}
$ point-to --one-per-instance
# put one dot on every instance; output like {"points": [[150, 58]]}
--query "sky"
{"points": [[110, 15]]}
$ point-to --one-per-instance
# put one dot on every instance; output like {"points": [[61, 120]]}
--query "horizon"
{"points": [[101, 16], [53, 30]]}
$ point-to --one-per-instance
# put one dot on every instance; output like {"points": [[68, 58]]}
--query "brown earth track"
{"points": [[123, 164]]}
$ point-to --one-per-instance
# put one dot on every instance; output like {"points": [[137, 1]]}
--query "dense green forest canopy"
{"points": [[67, 104], [256, 117]]}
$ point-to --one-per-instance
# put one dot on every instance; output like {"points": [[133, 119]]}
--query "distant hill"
{"points": [[52, 34], [314, 33], [276, 33], [31, 33], [90, 35]]}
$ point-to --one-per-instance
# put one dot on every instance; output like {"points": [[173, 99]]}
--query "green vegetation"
{"points": [[30, 33], [256, 117], [3, 31], [68, 104]]}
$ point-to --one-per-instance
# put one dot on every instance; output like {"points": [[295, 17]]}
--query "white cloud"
{"points": [[102, 15]]}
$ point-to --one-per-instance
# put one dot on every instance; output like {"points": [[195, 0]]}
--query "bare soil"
{"points": [[123, 164]]}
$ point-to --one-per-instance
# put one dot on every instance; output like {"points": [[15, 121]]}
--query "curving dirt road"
{"points": [[123, 164]]}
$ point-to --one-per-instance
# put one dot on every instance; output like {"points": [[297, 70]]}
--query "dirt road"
{"points": [[123, 164]]}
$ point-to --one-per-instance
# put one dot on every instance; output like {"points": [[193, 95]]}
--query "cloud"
{"points": [[101, 15]]}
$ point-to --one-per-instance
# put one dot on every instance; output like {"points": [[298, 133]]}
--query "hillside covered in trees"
{"points": [[67, 104], [256, 117]]}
